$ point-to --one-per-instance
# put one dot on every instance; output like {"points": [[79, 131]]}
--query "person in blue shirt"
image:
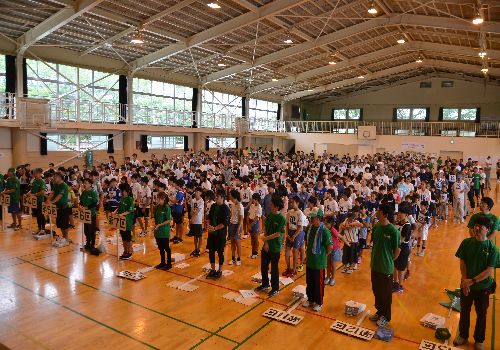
{"points": [[177, 208], [112, 196], [266, 203]]}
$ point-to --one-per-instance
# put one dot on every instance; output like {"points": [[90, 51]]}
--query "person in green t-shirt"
{"points": [[163, 216], [13, 189], [476, 183], [485, 207], [319, 245], [385, 250], [273, 239], [89, 200], [478, 257], [38, 189], [126, 209], [59, 197]]}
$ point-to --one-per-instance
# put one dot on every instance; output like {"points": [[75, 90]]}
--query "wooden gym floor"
{"points": [[62, 299]]}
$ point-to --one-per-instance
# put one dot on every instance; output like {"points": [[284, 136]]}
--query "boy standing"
{"points": [[13, 189], [162, 217], [196, 228], [478, 257], [319, 245]]}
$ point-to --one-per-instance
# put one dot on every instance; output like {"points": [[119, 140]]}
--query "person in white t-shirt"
{"points": [[246, 196], [144, 203], [254, 215], [295, 237], [459, 188], [235, 226], [196, 222], [331, 207]]}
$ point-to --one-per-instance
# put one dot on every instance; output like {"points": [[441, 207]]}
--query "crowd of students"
{"points": [[323, 210]]}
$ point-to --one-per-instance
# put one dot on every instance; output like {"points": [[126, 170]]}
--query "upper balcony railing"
{"points": [[401, 128], [72, 111]]}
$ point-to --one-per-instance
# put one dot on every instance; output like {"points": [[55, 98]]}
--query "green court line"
{"points": [[134, 303], [79, 313], [237, 318], [269, 322]]}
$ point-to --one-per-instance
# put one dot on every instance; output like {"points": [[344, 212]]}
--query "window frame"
{"points": [[412, 114], [459, 118], [165, 141], [347, 113], [77, 145], [225, 142]]}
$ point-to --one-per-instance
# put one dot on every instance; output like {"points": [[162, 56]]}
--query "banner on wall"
{"points": [[413, 147]]}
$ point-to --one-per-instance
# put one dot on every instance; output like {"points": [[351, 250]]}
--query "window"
{"points": [[263, 115], [166, 142], [466, 114], [461, 133], [219, 109], [401, 132], [78, 142], [2, 73], [222, 142], [411, 113], [346, 113], [159, 103], [51, 80]]}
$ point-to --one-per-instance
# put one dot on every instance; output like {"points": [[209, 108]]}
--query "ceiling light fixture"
{"points": [[419, 60], [361, 77], [482, 54], [372, 10], [213, 5], [478, 19], [288, 40], [310, 90], [137, 39], [484, 70], [401, 41], [221, 64], [332, 63], [274, 79]]}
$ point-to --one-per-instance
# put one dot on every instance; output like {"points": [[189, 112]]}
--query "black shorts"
{"points": [[126, 235], [196, 230], [216, 242], [62, 220], [142, 213], [401, 263], [178, 217]]}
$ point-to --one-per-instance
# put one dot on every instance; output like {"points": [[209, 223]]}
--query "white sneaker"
{"points": [[327, 281], [317, 308], [349, 271], [382, 321], [61, 243], [332, 282], [422, 253], [238, 262], [306, 303], [231, 262]]}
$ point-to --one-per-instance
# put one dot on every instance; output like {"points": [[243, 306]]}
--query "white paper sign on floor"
{"points": [[182, 265], [429, 345], [239, 299], [176, 257], [282, 316], [353, 330], [299, 291], [134, 276], [286, 281], [248, 293]]}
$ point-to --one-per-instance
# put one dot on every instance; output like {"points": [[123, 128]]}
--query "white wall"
{"points": [[379, 105], [5, 150], [474, 147]]}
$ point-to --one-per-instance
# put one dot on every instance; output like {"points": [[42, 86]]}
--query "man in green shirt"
{"points": [[476, 183], [163, 216], [485, 207], [478, 257], [89, 200], [13, 188], [385, 250], [38, 189], [59, 197], [319, 245], [273, 239]]}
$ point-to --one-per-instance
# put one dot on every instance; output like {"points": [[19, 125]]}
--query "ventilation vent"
{"points": [[425, 84], [447, 83]]}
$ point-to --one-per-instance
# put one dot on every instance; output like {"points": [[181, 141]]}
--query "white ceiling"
{"points": [[187, 37]]}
